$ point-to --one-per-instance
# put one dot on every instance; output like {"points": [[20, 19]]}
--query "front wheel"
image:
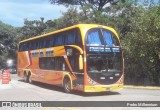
{"points": [[67, 85]]}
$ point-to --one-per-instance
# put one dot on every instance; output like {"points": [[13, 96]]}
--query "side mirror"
{"points": [[80, 62]]}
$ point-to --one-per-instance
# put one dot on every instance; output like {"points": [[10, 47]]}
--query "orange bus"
{"points": [[83, 57]]}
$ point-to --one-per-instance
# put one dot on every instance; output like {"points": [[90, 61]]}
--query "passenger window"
{"points": [[59, 40], [74, 63], [44, 43], [70, 37], [78, 37], [54, 63], [21, 47], [26, 46], [51, 42]]}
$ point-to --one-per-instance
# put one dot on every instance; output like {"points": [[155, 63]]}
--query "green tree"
{"points": [[87, 5], [8, 43], [69, 18], [142, 44], [32, 28]]}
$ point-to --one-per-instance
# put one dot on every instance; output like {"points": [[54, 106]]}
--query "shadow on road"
{"points": [[83, 94], [45, 86], [92, 94]]}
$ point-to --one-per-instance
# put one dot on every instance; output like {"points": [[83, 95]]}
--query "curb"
{"points": [[142, 87]]}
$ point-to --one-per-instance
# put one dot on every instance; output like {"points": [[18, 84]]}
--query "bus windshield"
{"points": [[100, 37], [109, 60], [104, 63]]}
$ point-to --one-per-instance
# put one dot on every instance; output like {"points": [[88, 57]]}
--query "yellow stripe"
{"points": [[77, 47], [103, 88]]}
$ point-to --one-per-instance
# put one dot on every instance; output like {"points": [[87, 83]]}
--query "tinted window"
{"points": [[40, 43], [70, 37], [21, 47], [53, 63], [30, 45], [35, 45], [44, 43], [26, 46], [78, 38], [52, 41], [59, 40], [74, 62], [47, 42]]}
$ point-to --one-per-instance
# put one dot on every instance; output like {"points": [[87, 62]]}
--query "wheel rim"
{"points": [[25, 78], [30, 80], [68, 86]]}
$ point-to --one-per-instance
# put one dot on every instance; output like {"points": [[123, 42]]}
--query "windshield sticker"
{"points": [[96, 49], [115, 49], [107, 50], [102, 49]]}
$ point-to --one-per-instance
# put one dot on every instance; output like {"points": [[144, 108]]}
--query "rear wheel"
{"points": [[30, 79], [67, 85], [26, 78]]}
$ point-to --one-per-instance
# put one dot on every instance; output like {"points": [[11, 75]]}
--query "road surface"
{"points": [[18, 90]]}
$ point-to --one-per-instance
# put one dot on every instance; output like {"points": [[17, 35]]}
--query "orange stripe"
{"points": [[69, 66]]}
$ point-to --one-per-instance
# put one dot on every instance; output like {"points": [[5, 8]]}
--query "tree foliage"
{"points": [[69, 18], [33, 28], [8, 43], [87, 5], [143, 44]]}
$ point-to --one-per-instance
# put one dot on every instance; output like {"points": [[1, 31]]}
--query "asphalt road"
{"points": [[18, 90]]}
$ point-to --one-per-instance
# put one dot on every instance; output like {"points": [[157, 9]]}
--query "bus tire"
{"points": [[30, 78], [67, 85], [26, 77]]}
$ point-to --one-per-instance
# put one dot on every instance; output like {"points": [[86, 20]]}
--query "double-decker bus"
{"points": [[83, 57]]}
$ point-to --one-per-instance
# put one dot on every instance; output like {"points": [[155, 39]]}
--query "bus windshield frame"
{"points": [[104, 56]]}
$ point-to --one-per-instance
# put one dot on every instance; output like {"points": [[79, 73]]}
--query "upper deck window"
{"points": [[68, 37], [59, 40]]}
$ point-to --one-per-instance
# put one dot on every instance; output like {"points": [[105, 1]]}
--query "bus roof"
{"points": [[64, 29]]}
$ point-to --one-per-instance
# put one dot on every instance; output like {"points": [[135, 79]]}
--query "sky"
{"points": [[13, 12]]}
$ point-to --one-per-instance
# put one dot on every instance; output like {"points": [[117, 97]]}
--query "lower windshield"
{"points": [[111, 62]]}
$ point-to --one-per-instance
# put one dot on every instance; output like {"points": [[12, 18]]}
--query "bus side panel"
{"points": [[78, 83], [35, 63], [47, 76], [59, 51], [23, 62]]}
